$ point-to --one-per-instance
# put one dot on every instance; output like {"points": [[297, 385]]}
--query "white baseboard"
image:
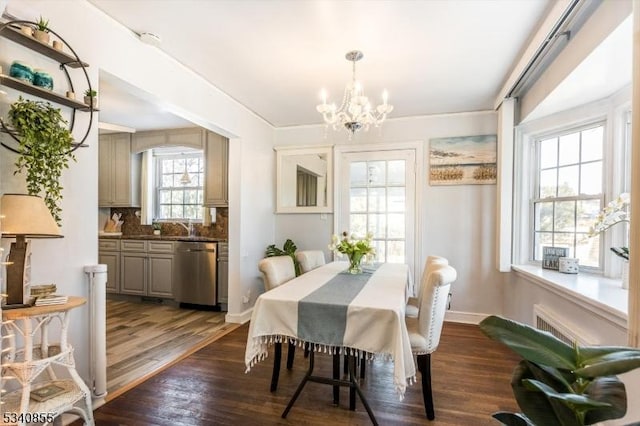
{"points": [[464, 317], [240, 318]]}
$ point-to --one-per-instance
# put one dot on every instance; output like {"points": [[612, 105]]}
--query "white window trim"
{"points": [[157, 157], [596, 290]]}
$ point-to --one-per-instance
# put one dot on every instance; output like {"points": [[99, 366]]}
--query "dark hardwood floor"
{"points": [[471, 377]]}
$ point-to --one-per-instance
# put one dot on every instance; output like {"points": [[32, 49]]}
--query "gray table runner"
{"points": [[322, 315]]}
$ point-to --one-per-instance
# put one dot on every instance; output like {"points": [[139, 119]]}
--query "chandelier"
{"points": [[355, 112]]}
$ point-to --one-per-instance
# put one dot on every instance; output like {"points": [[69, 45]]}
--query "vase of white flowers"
{"points": [[355, 249], [615, 212]]}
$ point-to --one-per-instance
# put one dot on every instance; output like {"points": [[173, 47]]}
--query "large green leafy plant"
{"points": [[44, 149], [288, 249], [559, 384]]}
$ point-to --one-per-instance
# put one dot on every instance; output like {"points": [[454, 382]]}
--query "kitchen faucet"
{"points": [[190, 228]]}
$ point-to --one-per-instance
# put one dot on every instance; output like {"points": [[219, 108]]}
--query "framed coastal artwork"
{"points": [[463, 160]]}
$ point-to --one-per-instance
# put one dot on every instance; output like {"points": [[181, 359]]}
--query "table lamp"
{"points": [[23, 216]]}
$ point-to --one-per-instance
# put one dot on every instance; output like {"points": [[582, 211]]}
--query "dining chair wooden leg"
{"points": [[306, 350], [352, 389], [363, 364], [345, 369], [277, 355], [290, 354], [424, 366]]}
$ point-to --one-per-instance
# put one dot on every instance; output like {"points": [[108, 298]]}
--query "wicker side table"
{"points": [[34, 361]]}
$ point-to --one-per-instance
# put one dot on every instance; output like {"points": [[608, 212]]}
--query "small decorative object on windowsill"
{"points": [[615, 212], [568, 265], [157, 227], [551, 257], [356, 250]]}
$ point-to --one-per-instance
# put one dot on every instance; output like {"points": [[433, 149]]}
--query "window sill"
{"points": [[591, 290]]}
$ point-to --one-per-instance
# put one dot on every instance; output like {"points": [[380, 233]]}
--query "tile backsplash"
{"points": [[132, 226]]}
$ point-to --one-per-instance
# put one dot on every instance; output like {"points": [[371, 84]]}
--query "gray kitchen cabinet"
{"points": [[147, 268], [160, 275], [134, 274], [109, 254], [118, 171], [216, 171]]}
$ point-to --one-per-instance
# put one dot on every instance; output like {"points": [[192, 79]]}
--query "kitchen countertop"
{"points": [[163, 238]]}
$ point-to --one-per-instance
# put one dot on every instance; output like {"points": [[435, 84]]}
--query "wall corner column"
{"points": [[504, 193]]}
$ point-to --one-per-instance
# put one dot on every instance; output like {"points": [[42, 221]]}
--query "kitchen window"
{"points": [[179, 182]]}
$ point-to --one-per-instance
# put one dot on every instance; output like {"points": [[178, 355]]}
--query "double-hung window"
{"points": [[568, 193], [179, 183]]}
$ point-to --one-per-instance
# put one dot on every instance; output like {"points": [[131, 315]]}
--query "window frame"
{"points": [[158, 157], [613, 111], [535, 195]]}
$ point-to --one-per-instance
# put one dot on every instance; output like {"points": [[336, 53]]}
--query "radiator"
{"points": [[546, 319]]}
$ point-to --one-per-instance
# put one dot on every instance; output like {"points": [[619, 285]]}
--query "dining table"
{"points": [[329, 310]]}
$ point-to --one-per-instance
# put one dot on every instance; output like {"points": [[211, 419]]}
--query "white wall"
{"points": [[457, 222], [107, 46]]}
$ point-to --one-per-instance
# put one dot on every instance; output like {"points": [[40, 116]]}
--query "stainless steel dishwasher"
{"points": [[194, 273]]}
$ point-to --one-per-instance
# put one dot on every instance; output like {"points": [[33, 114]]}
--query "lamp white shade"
{"points": [[28, 216]]}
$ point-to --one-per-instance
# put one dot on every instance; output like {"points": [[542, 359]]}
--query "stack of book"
{"points": [[51, 299]]}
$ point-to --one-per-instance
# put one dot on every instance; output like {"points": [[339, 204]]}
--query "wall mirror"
{"points": [[304, 179]]}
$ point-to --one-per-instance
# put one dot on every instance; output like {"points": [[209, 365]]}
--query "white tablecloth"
{"points": [[374, 319]]}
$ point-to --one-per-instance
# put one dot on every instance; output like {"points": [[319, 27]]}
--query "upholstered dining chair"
{"points": [[424, 331], [275, 271], [310, 259], [413, 304]]}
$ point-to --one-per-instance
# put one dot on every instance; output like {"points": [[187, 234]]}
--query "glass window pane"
{"points": [[396, 172], [192, 165], [177, 197], [381, 251], [177, 211], [548, 183], [568, 181], [198, 214], [176, 181], [549, 153], [165, 196], [569, 149], [592, 141], [190, 211], [586, 214], [564, 239], [167, 181], [377, 225], [588, 250], [565, 216], [358, 224], [165, 212], [190, 196], [358, 173], [396, 225], [167, 166], [376, 173], [396, 199], [395, 251], [591, 178], [358, 200], [542, 239], [544, 217], [377, 200], [200, 197], [178, 165]]}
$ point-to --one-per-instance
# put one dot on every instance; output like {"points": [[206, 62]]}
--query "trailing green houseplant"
{"points": [[561, 385], [44, 149], [288, 249]]}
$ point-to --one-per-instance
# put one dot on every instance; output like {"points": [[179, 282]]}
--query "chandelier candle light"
{"points": [[355, 112]]}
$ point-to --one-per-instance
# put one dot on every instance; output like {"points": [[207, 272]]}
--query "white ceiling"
{"points": [[433, 56]]}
